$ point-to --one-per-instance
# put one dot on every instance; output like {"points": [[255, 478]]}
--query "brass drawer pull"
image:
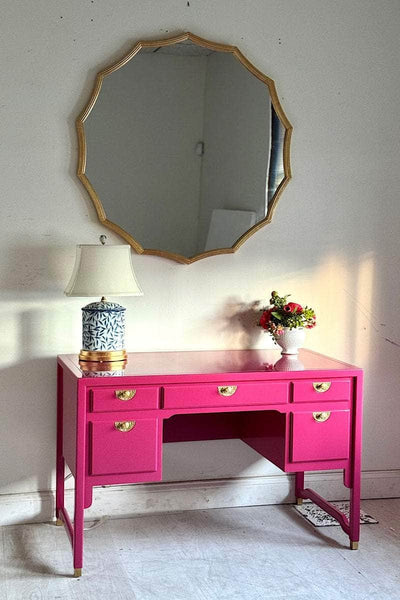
{"points": [[125, 394], [124, 426], [320, 417], [321, 386], [227, 390]]}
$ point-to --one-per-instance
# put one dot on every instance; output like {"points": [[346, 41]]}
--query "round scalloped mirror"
{"points": [[184, 148]]}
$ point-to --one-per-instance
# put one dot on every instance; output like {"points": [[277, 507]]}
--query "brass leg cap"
{"points": [[299, 501], [77, 572], [353, 545], [59, 522]]}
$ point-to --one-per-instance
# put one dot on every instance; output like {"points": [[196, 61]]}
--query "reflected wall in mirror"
{"points": [[184, 148]]}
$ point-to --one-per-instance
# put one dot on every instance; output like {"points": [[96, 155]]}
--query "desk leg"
{"points": [[60, 470], [354, 534], [78, 529], [77, 543], [299, 487], [355, 494], [60, 463]]}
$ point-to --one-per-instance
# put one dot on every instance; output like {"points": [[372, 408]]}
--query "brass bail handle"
{"points": [[227, 390], [321, 386], [124, 426], [321, 417], [125, 394]]}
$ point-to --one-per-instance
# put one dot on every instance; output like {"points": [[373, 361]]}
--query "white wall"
{"points": [[333, 242]]}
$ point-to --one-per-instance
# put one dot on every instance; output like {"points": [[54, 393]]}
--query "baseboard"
{"points": [[131, 500]]}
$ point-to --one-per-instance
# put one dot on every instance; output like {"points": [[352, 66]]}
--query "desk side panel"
{"points": [[70, 388], [266, 433]]}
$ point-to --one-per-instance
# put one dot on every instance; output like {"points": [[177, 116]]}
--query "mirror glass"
{"points": [[185, 148]]}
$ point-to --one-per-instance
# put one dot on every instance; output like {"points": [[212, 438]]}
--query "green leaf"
{"points": [[277, 316]]}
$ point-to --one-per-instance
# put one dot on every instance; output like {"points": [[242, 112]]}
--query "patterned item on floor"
{"points": [[319, 518]]}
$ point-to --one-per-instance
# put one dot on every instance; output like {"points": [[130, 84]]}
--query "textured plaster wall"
{"points": [[334, 241]]}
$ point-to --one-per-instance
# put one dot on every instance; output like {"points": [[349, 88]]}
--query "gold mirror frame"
{"points": [[83, 147]]}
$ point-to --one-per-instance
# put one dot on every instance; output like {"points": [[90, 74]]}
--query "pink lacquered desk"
{"points": [[306, 416]]}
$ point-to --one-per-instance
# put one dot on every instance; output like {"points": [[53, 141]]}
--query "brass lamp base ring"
{"points": [[103, 355], [98, 367]]}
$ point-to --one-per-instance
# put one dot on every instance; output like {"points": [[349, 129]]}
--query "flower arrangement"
{"points": [[281, 314]]}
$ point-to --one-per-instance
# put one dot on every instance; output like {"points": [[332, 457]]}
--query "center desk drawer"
{"points": [[226, 394], [124, 398]]}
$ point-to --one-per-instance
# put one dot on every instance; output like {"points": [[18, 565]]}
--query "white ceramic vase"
{"points": [[291, 340], [289, 362]]}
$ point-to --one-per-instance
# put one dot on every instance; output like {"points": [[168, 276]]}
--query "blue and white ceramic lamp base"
{"points": [[103, 332]]}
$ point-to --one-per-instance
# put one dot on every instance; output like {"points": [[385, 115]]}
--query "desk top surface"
{"points": [[207, 363]]}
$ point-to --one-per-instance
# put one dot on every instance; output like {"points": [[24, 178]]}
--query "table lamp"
{"points": [[103, 270]]}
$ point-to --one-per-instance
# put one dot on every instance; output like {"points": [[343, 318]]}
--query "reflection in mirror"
{"points": [[185, 148]]}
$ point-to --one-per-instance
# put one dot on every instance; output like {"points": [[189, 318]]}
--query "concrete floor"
{"points": [[253, 553]]}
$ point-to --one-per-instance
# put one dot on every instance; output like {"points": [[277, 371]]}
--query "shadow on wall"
{"points": [[33, 330], [237, 323], [28, 399], [28, 422]]}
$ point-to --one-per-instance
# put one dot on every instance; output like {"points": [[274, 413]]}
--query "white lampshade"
{"points": [[103, 270]]}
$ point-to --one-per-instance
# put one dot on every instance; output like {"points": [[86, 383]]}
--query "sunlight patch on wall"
{"points": [[341, 292], [365, 321], [334, 320]]}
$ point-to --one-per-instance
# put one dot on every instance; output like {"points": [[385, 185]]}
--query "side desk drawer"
{"points": [[237, 394], [116, 451], [320, 390], [320, 435], [124, 398]]}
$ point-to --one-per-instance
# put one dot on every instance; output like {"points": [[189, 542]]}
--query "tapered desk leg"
{"points": [[78, 530], [299, 487], [355, 494], [60, 463], [79, 487], [60, 469], [354, 519]]}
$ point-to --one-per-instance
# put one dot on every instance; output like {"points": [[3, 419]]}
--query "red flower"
{"points": [[292, 307], [265, 318]]}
